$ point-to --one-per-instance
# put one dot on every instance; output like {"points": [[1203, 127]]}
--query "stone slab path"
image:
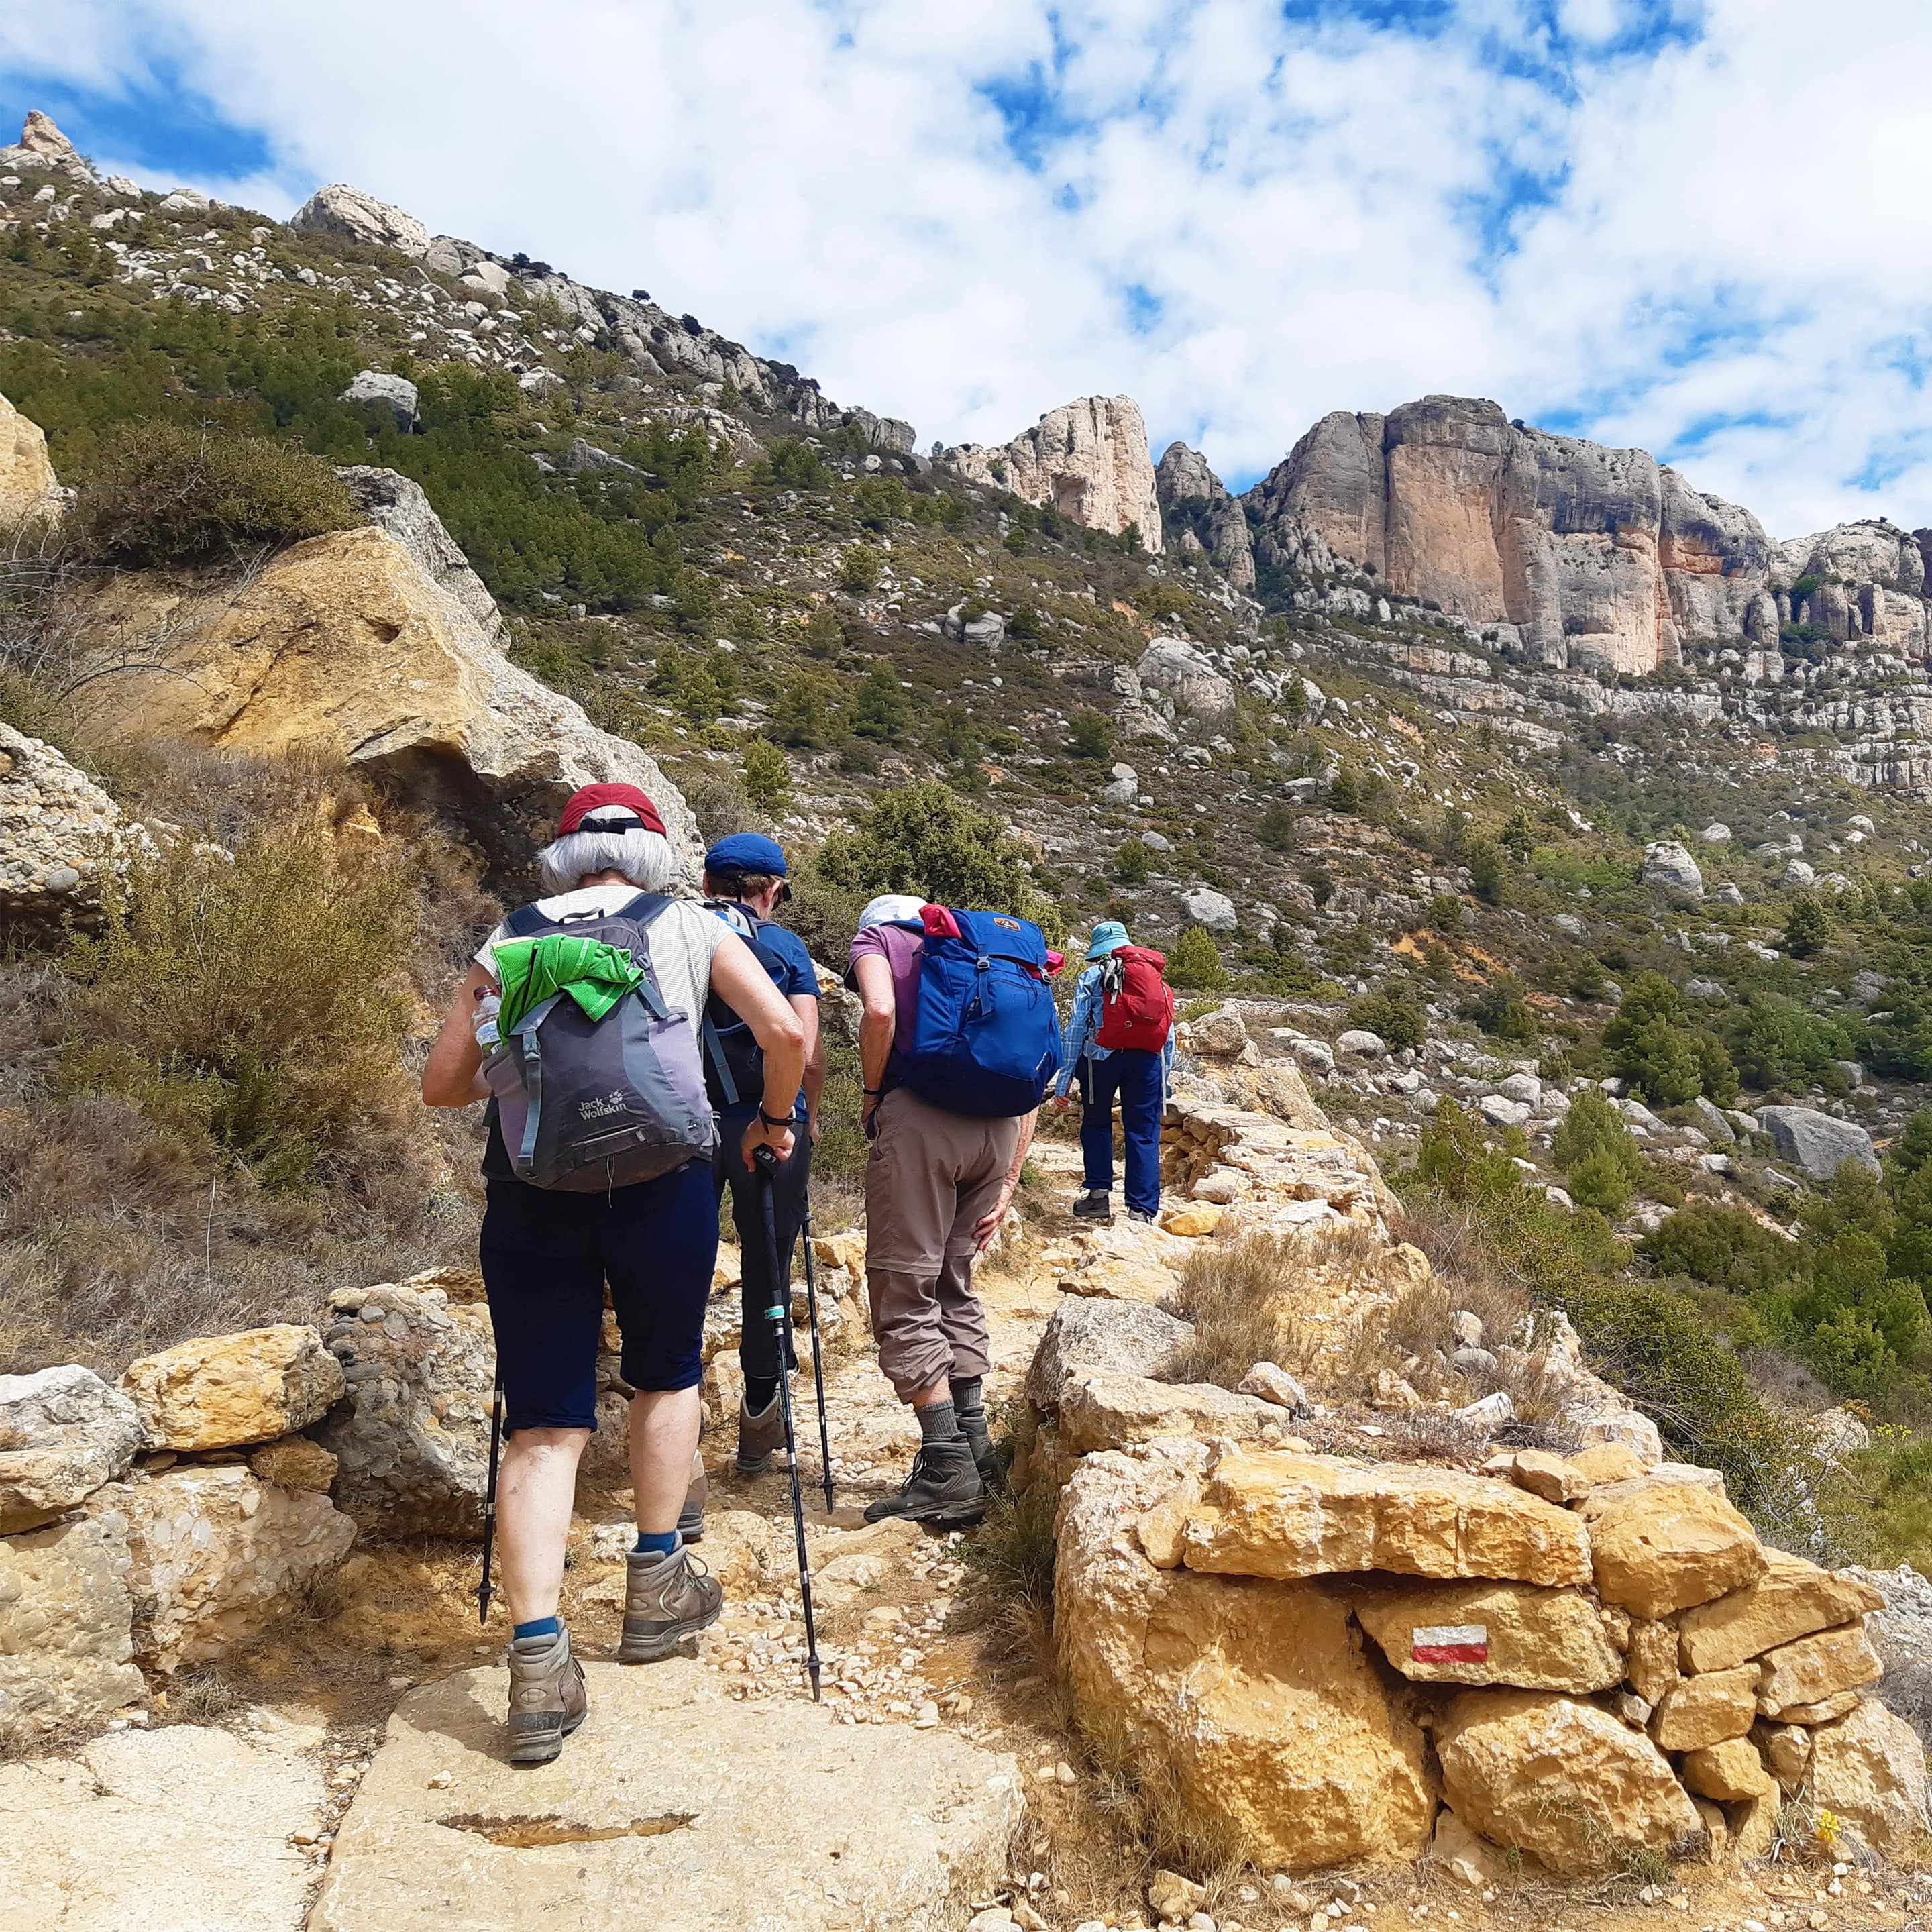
{"points": [[672, 1806]]}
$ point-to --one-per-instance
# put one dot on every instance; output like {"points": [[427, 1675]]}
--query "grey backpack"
{"points": [[584, 1106]]}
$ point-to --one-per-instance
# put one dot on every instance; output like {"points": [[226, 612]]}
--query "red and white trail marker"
{"points": [[1450, 1643]]}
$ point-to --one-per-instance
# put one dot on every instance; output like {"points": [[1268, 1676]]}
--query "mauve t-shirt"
{"points": [[903, 950]]}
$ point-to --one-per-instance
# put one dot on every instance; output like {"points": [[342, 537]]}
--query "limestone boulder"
{"points": [[29, 488], [1211, 910], [1220, 1034], [411, 1436], [63, 1433], [396, 503], [61, 835], [1259, 1695], [1089, 460], [66, 1630], [1485, 1633], [674, 1807], [1107, 1412], [1796, 1676], [1668, 866], [349, 215], [1868, 1771], [1818, 1142], [1652, 1660], [294, 1462], [375, 389], [344, 641], [1110, 1337], [1786, 1751], [1731, 1772], [1695, 1711], [1566, 1781], [219, 1391], [1658, 1548], [1792, 1599], [1286, 1515], [218, 1556], [185, 1825]]}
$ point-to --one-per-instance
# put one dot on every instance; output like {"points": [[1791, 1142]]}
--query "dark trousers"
{"points": [[758, 1347], [1135, 1075]]}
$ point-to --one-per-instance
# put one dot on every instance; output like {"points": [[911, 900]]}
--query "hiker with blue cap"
{"points": [[1120, 1042], [746, 881]]}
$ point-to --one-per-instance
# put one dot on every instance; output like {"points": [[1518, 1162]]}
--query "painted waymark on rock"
{"points": [[1450, 1643]]}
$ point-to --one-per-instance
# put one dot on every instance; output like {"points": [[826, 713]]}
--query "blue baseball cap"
{"points": [[1109, 936], [747, 852]]}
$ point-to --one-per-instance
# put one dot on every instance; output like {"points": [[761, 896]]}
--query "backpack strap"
{"points": [[716, 1047], [525, 922]]}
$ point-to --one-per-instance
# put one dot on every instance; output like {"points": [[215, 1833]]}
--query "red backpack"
{"points": [[1136, 1008]]}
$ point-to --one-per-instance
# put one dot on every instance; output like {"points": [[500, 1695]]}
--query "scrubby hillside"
{"points": [[1463, 835]]}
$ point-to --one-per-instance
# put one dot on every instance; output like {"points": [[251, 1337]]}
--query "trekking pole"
{"points": [[817, 1360], [781, 1315], [484, 1592]]}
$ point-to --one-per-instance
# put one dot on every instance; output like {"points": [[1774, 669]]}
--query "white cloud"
{"points": [[1305, 202]]}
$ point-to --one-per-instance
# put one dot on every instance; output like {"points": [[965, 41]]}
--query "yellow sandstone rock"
{"points": [[1652, 1659], [1659, 1547], [1700, 1711], [1606, 1462], [1868, 1770], [1791, 1600], [1566, 1781], [1731, 1770], [1815, 1668], [1489, 1632], [1285, 1516], [1552, 1477], [294, 1462], [222, 1390], [28, 487], [1786, 1749], [1258, 1695], [1111, 1411]]}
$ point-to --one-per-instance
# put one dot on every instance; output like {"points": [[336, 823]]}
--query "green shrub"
{"points": [[1594, 1127], [163, 492], [1807, 927], [1275, 828], [1089, 735], [1598, 1180], [767, 775], [1396, 1015], [860, 568], [1133, 862], [879, 711], [1195, 964], [1662, 1052], [1722, 1246], [1346, 793], [1500, 1009], [259, 1002], [1489, 869], [925, 838]]}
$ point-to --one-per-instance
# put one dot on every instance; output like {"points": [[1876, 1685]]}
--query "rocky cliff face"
{"points": [[1089, 460], [1577, 554], [27, 487], [1199, 517]]}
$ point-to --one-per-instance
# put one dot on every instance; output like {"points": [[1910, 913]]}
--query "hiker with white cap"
{"points": [[599, 1170], [958, 1042], [1120, 1039]]}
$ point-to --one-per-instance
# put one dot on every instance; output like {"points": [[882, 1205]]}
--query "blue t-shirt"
{"points": [[799, 975]]}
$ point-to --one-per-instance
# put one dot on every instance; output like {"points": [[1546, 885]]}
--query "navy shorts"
{"points": [[546, 1256]]}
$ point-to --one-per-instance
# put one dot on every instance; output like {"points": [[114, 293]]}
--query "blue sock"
{"points": [[656, 1543], [538, 1627]]}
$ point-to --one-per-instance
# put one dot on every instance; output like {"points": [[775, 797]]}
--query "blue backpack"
{"points": [[734, 1070], [986, 1036]]}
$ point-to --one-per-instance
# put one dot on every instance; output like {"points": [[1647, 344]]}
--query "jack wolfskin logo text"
{"points": [[598, 1110]]}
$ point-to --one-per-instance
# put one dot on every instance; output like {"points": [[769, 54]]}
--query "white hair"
{"points": [[645, 858]]}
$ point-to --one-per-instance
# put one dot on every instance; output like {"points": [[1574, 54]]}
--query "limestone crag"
{"points": [[28, 487], [393, 502], [66, 1629], [1198, 515], [63, 1433], [345, 641], [1088, 460], [44, 149], [60, 834], [350, 215]]}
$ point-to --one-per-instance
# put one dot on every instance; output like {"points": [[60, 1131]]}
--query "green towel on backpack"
{"points": [[530, 970]]}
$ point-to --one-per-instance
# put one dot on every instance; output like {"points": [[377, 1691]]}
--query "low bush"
{"points": [[1232, 1294], [1195, 964], [163, 492], [1396, 1015], [925, 838]]}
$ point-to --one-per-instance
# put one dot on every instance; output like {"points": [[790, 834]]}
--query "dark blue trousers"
{"points": [[1134, 1074]]}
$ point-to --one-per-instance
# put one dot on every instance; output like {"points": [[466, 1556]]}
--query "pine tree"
{"points": [[1194, 965]]}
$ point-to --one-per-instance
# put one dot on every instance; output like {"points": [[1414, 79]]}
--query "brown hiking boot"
{"points": [[691, 1518], [548, 1700], [760, 1435], [666, 1599], [944, 1489]]}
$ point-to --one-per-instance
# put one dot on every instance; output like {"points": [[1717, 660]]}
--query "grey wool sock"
{"points": [[937, 1423], [968, 1404]]}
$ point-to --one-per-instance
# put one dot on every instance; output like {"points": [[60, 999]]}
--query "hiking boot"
{"points": [[1094, 1205], [691, 1518], [1139, 1214], [945, 1488], [985, 1458], [760, 1435], [548, 1700], [666, 1599]]}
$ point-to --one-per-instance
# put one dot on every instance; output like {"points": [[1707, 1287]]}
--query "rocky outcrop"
{"points": [[43, 148], [1180, 673], [412, 1436], [60, 835], [29, 488], [393, 502], [66, 1620], [1586, 556], [1088, 460], [216, 1556], [345, 641], [1868, 1770], [1198, 515], [1819, 1143], [224, 1390], [350, 215], [63, 1433]]}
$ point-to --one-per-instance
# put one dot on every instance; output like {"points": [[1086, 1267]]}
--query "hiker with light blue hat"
{"points": [[1119, 1043]]}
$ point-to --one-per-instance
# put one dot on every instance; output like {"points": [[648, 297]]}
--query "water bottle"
{"points": [[487, 1008]]}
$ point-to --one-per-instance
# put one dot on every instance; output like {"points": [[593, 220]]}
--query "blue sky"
{"points": [[1617, 218]]}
